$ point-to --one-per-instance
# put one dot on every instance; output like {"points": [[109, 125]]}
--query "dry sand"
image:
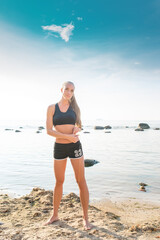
{"points": [[23, 218]]}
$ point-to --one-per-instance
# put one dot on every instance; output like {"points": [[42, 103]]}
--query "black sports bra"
{"points": [[60, 118]]}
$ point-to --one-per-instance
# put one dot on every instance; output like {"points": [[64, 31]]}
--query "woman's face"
{"points": [[68, 91]]}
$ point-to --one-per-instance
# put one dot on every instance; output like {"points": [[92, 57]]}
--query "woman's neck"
{"points": [[64, 102]]}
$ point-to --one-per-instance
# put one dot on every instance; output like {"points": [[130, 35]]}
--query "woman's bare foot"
{"points": [[87, 225], [51, 220]]}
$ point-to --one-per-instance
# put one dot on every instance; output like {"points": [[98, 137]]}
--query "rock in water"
{"points": [[40, 128], [90, 162], [107, 127], [143, 184], [38, 131], [98, 127], [139, 129], [144, 125], [142, 188]]}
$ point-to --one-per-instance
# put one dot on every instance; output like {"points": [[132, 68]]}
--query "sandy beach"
{"points": [[23, 218]]}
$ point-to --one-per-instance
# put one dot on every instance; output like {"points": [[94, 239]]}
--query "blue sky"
{"points": [[109, 49]]}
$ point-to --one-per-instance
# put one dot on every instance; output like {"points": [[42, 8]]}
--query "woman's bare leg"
{"points": [[59, 171], [78, 166]]}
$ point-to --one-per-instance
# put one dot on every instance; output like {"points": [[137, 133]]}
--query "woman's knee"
{"points": [[59, 181], [81, 182]]}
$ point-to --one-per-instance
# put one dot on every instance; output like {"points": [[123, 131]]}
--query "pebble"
{"points": [[5, 210], [37, 214], [79, 235]]}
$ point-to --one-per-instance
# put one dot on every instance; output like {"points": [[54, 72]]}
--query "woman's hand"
{"points": [[73, 138], [76, 129]]}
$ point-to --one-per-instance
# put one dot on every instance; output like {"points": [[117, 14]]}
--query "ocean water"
{"points": [[126, 158]]}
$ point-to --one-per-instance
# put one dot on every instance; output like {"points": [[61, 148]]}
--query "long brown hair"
{"points": [[75, 106]]}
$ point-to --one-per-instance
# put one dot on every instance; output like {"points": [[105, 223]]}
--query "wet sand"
{"points": [[23, 218]]}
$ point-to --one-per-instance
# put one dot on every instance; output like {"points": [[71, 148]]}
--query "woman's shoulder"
{"points": [[51, 107]]}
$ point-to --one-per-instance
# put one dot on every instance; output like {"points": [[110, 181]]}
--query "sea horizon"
{"points": [[85, 122]]}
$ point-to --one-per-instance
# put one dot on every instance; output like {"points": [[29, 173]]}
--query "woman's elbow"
{"points": [[48, 130]]}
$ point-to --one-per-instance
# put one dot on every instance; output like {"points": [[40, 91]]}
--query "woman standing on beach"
{"points": [[65, 116]]}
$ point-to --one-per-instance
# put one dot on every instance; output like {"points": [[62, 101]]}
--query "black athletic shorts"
{"points": [[64, 150]]}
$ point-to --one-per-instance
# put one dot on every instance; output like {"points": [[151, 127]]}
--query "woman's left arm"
{"points": [[76, 129]]}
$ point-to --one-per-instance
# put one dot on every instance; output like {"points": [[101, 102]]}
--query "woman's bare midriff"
{"points": [[66, 129]]}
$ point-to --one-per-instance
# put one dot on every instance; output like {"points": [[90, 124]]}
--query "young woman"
{"points": [[65, 116]]}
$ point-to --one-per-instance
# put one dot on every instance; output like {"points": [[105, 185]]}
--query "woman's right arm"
{"points": [[49, 126]]}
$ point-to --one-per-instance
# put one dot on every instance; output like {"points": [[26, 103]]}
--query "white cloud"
{"points": [[65, 32], [79, 18], [50, 34]]}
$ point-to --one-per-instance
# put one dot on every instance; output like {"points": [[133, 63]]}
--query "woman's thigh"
{"points": [[59, 169], [78, 167]]}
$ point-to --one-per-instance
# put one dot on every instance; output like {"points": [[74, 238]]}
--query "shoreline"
{"points": [[23, 218], [92, 200]]}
